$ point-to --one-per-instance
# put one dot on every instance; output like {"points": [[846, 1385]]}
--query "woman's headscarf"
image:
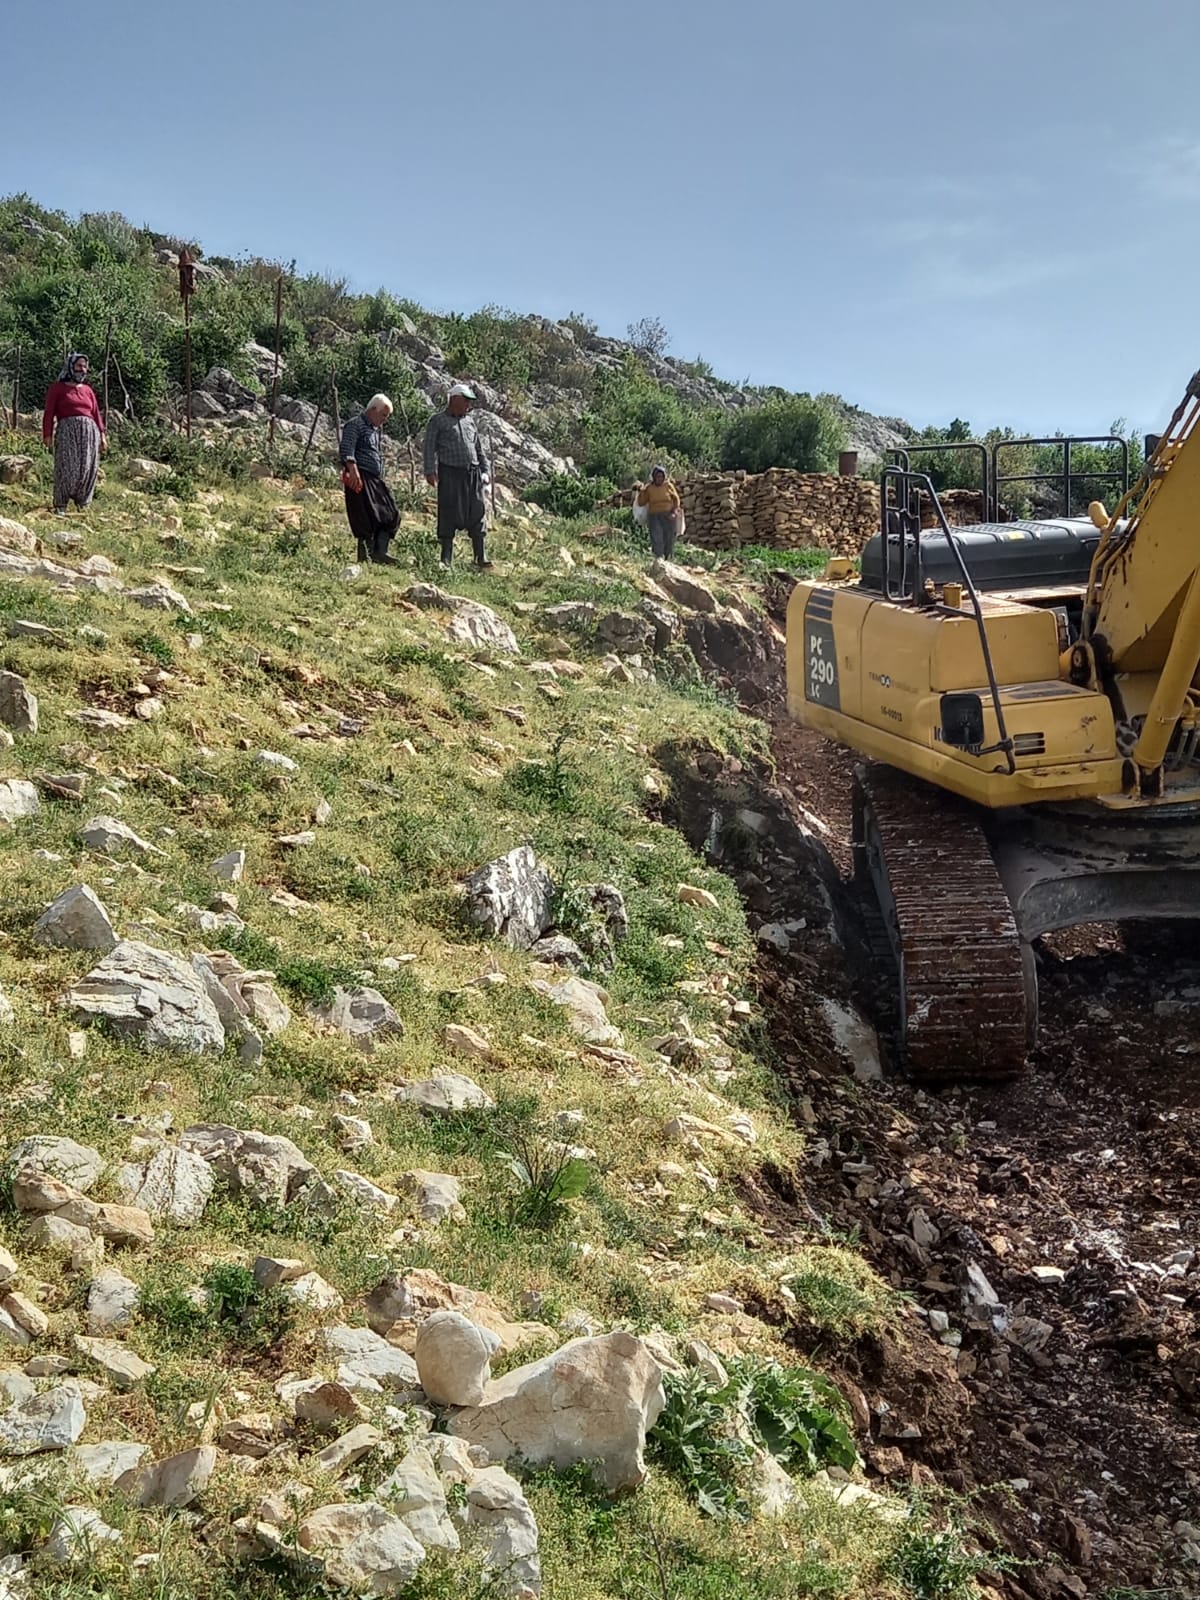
{"points": [[67, 375]]}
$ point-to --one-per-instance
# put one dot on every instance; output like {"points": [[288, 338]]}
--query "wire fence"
{"points": [[180, 412]]}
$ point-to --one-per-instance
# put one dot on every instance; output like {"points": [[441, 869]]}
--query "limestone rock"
{"points": [[271, 1271], [104, 1463], [327, 1406], [584, 1003], [13, 1332], [18, 704], [76, 920], [770, 1489], [402, 1301], [229, 868], [16, 536], [420, 1501], [354, 1133], [625, 634], [683, 587], [498, 1514], [160, 597], [569, 614], [266, 1008], [512, 898], [437, 1196], [7, 1015], [222, 978], [143, 467], [49, 1421], [313, 1292], [454, 1359], [591, 1401], [471, 623], [208, 921], [460, 1040], [16, 1386], [448, 1092], [365, 1192], [363, 1547], [174, 1482], [111, 835], [176, 1184], [77, 1165], [855, 1038], [76, 1533], [148, 995], [362, 1015], [123, 1367], [57, 1235], [348, 1449], [266, 1164], [8, 1266], [365, 1355], [690, 895], [22, 1312], [558, 951], [126, 1225], [18, 799], [36, 1191], [112, 1303]]}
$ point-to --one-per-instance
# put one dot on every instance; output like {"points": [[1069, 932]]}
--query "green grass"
{"points": [[440, 778]]}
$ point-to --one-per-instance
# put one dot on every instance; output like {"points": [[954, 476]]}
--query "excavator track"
{"points": [[966, 1002]]}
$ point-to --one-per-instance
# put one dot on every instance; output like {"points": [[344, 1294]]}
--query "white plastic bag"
{"points": [[641, 514], [680, 523]]}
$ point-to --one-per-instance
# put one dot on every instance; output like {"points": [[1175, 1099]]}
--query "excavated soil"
{"points": [[1049, 1225]]}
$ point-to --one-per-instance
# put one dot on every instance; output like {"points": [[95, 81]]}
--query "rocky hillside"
{"points": [[559, 397], [394, 1157]]}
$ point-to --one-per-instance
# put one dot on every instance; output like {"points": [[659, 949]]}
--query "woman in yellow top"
{"points": [[661, 498]]}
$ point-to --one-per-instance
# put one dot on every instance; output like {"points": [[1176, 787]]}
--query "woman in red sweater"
{"points": [[78, 437]]}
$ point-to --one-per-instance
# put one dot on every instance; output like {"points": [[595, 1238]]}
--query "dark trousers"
{"points": [[373, 517], [460, 504], [662, 533]]}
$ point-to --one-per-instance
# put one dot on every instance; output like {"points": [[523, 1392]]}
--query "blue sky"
{"points": [[938, 210]]}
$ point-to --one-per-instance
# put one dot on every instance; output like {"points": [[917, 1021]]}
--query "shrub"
{"points": [[790, 431], [547, 1176], [706, 1434], [649, 335], [565, 495]]}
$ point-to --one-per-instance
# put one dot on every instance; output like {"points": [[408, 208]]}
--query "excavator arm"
{"points": [[1142, 613]]}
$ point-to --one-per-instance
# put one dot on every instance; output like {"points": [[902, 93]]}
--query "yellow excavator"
{"points": [[1026, 696]]}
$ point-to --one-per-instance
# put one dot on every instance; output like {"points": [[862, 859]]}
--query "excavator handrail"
{"points": [[922, 480]]}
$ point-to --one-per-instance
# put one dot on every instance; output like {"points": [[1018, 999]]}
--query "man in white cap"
{"points": [[456, 465]]}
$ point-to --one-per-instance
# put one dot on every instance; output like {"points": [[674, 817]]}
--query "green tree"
{"points": [[788, 431]]}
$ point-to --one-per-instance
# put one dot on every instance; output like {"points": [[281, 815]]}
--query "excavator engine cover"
{"points": [[999, 555]]}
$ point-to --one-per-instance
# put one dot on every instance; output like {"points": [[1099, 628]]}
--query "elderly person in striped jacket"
{"points": [[456, 465], [370, 509]]}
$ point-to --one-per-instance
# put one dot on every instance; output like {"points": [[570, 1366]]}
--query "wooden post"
{"points": [[187, 287], [187, 367], [17, 390], [412, 460], [337, 417], [107, 355], [275, 382], [492, 464]]}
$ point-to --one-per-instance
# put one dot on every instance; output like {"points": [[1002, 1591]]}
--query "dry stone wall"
{"points": [[781, 509]]}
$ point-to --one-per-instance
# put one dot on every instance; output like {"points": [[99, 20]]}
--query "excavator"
{"points": [[1025, 698]]}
